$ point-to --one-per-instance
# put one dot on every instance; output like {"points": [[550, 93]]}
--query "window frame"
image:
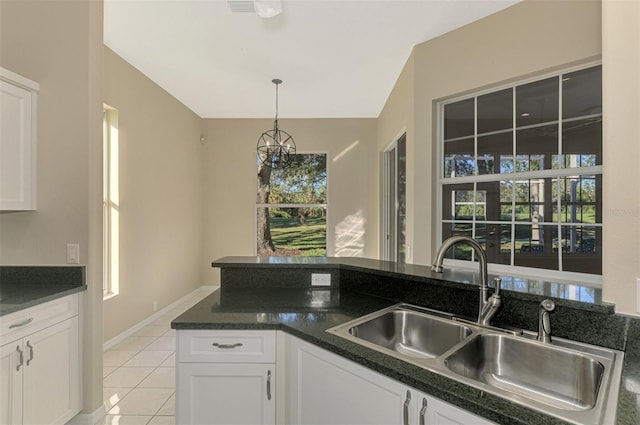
{"points": [[110, 177], [553, 173]]}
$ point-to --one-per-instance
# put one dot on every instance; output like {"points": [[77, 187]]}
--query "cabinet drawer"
{"points": [[24, 322], [226, 346]]}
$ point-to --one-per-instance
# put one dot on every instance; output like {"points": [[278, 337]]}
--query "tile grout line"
{"points": [[166, 334]]}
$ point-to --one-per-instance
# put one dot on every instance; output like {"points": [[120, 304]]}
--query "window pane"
{"points": [[297, 231], [584, 249], [492, 150], [535, 147], [582, 93], [534, 247], [463, 205], [460, 252], [505, 239], [304, 181], [522, 191], [458, 119], [582, 143], [458, 158], [537, 102], [457, 202], [495, 111]]}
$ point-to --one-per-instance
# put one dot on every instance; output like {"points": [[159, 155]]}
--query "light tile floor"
{"points": [[139, 374]]}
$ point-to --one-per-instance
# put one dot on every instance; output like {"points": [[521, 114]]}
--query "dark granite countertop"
{"points": [[26, 286], [307, 313]]}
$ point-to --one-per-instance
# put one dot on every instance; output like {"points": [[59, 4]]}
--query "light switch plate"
{"points": [[320, 279], [73, 253]]}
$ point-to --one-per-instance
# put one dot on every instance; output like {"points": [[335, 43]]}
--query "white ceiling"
{"points": [[337, 58]]}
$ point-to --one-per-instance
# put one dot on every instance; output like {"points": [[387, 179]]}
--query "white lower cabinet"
{"points": [[40, 368], [226, 377], [326, 389], [229, 377]]}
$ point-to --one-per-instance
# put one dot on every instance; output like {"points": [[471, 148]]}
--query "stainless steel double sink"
{"points": [[566, 379]]}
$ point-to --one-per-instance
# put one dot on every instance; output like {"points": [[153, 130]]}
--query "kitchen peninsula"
{"points": [[276, 294]]}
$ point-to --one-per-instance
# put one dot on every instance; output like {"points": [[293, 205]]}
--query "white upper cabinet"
{"points": [[18, 122]]}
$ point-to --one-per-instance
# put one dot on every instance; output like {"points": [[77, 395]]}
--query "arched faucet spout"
{"points": [[487, 307]]}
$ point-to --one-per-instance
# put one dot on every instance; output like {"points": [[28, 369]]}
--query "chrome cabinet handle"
{"points": [[423, 412], [269, 385], [227, 346], [21, 354], [406, 408], [23, 323], [30, 347]]}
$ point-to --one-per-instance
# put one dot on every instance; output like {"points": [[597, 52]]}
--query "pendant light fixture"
{"points": [[276, 147]]}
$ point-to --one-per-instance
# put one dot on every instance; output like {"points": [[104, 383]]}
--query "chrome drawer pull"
{"points": [[227, 346], [21, 354], [269, 385], [30, 347], [406, 409], [23, 323], [423, 412]]}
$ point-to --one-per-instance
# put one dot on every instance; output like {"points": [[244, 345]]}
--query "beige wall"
{"points": [[48, 43], [230, 183], [161, 186], [59, 45], [621, 128]]}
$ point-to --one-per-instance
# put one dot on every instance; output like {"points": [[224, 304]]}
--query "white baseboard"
{"points": [[132, 330], [89, 418]]}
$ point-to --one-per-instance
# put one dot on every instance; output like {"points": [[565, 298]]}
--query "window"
{"points": [[395, 200], [291, 208], [110, 202], [521, 172]]}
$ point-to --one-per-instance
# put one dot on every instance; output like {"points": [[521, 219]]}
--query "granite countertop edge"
{"points": [[491, 407], [383, 268], [8, 308]]}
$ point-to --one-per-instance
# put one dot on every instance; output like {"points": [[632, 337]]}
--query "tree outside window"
{"points": [[291, 208]]}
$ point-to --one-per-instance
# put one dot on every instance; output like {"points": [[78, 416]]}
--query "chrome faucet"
{"points": [[488, 306], [544, 324]]}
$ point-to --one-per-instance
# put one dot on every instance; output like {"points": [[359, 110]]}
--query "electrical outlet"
{"points": [[73, 253], [155, 306], [320, 279]]}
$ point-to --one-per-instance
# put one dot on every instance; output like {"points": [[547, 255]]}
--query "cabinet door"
{"points": [[51, 374], [224, 393], [10, 384], [17, 153], [327, 389], [437, 412]]}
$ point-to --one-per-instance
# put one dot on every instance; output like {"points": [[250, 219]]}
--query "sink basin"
{"points": [[559, 378], [566, 379], [411, 333]]}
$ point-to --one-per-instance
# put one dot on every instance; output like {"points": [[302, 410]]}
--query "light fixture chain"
{"points": [[276, 101]]}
